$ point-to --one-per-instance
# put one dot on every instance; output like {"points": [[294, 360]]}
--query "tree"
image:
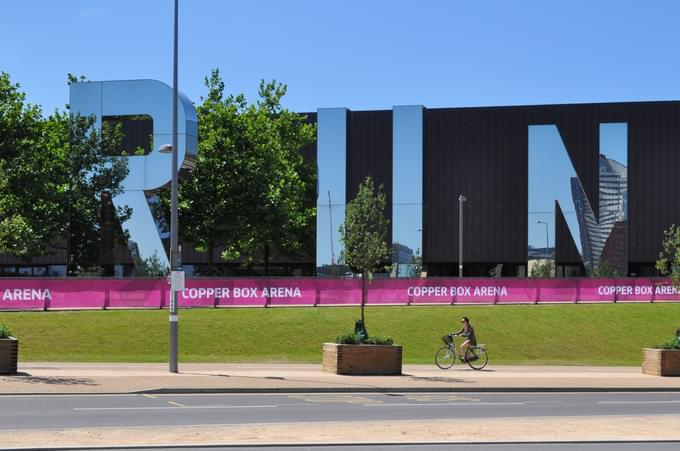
{"points": [[604, 270], [283, 205], [151, 266], [86, 176], [364, 235], [543, 269], [53, 176], [668, 263], [416, 268], [22, 224], [250, 192]]}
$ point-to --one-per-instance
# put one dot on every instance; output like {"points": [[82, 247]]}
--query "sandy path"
{"points": [[658, 427]]}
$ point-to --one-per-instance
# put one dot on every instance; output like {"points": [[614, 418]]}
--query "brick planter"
{"points": [[9, 354], [362, 359], [661, 362]]}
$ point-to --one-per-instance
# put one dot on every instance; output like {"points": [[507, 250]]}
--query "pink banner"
{"points": [[62, 294]]}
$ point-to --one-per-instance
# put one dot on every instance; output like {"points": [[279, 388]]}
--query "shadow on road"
{"points": [[49, 380], [438, 379]]}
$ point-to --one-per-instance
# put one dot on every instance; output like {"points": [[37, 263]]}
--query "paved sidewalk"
{"points": [[69, 378]]}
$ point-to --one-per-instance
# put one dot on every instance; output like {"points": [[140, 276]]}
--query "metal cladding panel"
{"points": [[653, 181], [482, 153], [566, 252], [369, 152]]}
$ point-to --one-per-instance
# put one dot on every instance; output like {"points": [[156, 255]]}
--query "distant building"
{"points": [[401, 254], [537, 253], [613, 210]]}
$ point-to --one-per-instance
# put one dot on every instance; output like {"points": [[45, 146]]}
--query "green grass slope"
{"points": [[610, 334]]}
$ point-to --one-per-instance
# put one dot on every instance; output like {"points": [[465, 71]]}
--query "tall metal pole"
{"points": [[547, 243], [461, 199], [174, 245]]}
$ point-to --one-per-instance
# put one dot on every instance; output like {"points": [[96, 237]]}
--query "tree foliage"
{"points": [[543, 269], [668, 263], [86, 176], [416, 268], [604, 270], [364, 234], [20, 135], [250, 192], [53, 177], [152, 266]]}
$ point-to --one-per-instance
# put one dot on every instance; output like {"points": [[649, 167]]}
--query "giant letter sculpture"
{"points": [[552, 178], [148, 172]]}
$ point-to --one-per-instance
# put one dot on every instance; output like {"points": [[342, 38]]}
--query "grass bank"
{"points": [[610, 334]]}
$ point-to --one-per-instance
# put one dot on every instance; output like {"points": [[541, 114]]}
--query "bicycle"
{"points": [[446, 356]]}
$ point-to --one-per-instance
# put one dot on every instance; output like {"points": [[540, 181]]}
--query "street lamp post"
{"points": [[461, 199], [547, 243], [176, 275], [174, 245]]}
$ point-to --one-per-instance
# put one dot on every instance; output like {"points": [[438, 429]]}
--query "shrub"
{"points": [[347, 339], [377, 340], [354, 339], [673, 344], [5, 331]]}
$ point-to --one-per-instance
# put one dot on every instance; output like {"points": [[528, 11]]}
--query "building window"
{"points": [[40, 271], [57, 271], [25, 270]]}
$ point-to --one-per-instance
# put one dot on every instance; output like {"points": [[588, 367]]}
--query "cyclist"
{"points": [[467, 332]]}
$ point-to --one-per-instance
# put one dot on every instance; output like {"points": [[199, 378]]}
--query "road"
{"points": [[22, 412]]}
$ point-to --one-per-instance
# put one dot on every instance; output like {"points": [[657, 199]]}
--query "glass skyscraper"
{"points": [[613, 209]]}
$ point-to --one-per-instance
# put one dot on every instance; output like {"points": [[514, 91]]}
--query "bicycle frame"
{"points": [[452, 347]]}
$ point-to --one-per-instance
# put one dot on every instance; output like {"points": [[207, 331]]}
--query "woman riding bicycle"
{"points": [[467, 332]]}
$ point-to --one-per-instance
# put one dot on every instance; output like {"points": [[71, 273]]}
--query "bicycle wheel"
{"points": [[476, 357], [445, 358]]}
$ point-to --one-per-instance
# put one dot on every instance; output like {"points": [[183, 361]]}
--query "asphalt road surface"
{"points": [[21, 412]]}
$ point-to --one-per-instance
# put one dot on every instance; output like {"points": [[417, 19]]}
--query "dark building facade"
{"points": [[426, 157], [483, 153]]}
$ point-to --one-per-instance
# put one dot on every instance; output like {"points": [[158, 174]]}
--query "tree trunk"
{"points": [[266, 260], [364, 289]]}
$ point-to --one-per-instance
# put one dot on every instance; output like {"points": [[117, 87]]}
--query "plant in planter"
{"points": [[364, 234], [664, 359], [355, 339], [9, 351]]}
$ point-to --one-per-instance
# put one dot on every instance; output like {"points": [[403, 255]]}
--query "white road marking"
{"points": [[173, 408]]}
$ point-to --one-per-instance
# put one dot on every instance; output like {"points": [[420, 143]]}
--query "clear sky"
{"points": [[359, 54]]}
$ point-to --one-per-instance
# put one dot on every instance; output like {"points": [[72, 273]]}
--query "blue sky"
{"points": [[357, 54]]}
